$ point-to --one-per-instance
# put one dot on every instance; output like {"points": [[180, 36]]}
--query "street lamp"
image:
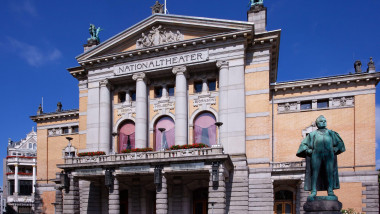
{"points": [[162, 137], [219, 124]]}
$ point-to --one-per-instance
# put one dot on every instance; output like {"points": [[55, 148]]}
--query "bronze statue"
{"points": [[94, 33], [256, 2], [320, 148]]}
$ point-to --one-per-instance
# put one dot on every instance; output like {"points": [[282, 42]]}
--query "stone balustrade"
{"points": [[145, 155], [21, 160], [20, 199]]}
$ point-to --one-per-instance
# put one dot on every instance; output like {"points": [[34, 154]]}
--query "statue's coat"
{"points": [[308, 143]]}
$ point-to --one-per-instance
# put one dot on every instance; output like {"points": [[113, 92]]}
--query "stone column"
{"points": [[162, 197], [223, 100], [113, 198], [180, 105], [71, 199], [141, 139], [34, 179], [217, 193], [105, 117], [16, 180], [58, 201]]}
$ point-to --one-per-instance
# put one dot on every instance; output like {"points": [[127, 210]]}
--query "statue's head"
{"points": [[321, 122]]}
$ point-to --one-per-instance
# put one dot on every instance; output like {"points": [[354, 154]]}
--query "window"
{"points": [[121, 95], [34, 146], [205, 129], [70, 154], [171, 90], [133, 95], [322, 103], [65, 130], [11, 187], [211, 85], [25, 187], [164, 139], [158, 92], [75, 129], [127, 136], [305, 105], [30, 145], [197, 87]]}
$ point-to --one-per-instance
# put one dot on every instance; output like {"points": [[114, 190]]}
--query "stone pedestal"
{"points": [[319, 205]]}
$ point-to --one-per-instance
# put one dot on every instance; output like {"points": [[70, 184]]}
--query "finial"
{"points": [[39, 111], [59, 107], [158, 8], [358, 66], [371, 66]]}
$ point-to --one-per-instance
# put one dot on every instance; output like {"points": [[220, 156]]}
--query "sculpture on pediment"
{"points": [[94, 33], [158, 36]]}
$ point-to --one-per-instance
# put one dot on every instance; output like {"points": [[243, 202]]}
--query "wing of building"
{"points": [[181, 114]]}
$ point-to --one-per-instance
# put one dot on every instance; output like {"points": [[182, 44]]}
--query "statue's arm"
{"points": [[305, 148], [338, 144]]}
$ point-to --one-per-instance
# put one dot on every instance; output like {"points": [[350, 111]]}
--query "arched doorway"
{"points": [[164, 139], [283, 202], [205, 129], [127, 135], [200, 201]]}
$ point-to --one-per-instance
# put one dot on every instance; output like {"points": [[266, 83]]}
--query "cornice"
{"points": [[323, 81], [56, 115]]}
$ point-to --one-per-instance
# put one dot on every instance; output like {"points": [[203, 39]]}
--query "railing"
{"points": [[145, 155], [20, 160], [288, 166], [20, 199], [20, 176]]}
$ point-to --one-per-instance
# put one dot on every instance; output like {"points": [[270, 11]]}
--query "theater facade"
{"points": [[181, 114]]}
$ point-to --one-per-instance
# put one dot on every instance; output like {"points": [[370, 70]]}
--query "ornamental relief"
{"points": [[337, 102], [158, 36]]}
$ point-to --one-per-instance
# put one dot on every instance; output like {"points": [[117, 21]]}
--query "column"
{"points": [[58, 201], [105, 117], [162, 197], [113, 198], [141, 138], [16, 180], [180, 105], [34, 179], [71, 199], [223, 100], [217, 194]]}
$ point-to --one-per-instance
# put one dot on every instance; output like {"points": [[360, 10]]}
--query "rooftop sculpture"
{"points": [[94, 32], [256, 2]]}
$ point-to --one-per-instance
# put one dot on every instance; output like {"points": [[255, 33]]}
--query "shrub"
{"points": [[137, 150], [82, 154]]}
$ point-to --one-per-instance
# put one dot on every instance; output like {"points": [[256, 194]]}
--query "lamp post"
{"points": [[219, 124], [114, 135], [162, 137]]}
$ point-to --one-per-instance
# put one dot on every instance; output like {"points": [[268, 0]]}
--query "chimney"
{"points": [[371, 66], [257, 14]]}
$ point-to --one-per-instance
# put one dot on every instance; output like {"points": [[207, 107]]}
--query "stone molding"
{"points": [[158, 36], [57, 126], [222, 64], [104, 83]]}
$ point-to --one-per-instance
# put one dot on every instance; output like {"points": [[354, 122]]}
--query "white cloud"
{"points": [[34, 55], [25, 6]]}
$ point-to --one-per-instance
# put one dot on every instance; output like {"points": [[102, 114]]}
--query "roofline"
{"points": [[54, 115], [248, 24]]}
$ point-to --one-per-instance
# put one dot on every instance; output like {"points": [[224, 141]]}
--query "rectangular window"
{"points": [[133, 95], [121, 96], [11, 187], [197, 87], [211, 85], [75, 129], [25, 187], [158, 92], [30, 145], [171, 90], [305, 105], [65, 130], [322, 103]]}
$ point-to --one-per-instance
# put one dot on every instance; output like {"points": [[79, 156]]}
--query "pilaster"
{"points": [[114, 202], [162, 197], [71, 199], [217, 193]]}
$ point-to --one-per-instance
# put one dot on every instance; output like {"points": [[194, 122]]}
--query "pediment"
{"points": [[160, 29]]}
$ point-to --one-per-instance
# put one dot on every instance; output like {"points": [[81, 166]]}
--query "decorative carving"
{"points": [[163, 105], [94, 33], [207, 100], [158, 36], [157, 8], [371, 66], [179, 69], [358, 66], [138, 76], [222, 64], [287, 107], [104, 83], [126, 110]]}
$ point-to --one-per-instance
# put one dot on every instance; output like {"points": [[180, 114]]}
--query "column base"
{"points": [[322, 207]]}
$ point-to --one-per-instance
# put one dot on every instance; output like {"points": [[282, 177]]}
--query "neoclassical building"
{"points": [[172, 84]]}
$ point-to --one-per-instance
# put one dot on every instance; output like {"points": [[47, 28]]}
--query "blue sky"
{"points": [[40, 39]]}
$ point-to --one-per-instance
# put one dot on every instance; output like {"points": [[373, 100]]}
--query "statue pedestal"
{"points": [[322, 205]]}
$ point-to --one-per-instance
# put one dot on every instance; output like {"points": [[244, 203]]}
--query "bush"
{"points": [[137, 150], [190, 146], [82, 154]]}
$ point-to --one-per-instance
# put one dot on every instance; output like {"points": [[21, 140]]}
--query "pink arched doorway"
{"points": [[127, 135], [165, 139], [205, 129]]}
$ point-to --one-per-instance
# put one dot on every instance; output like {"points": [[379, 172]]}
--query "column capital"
{"points": [[221, 64], [138, 76], [104, 83], [179, 69]]}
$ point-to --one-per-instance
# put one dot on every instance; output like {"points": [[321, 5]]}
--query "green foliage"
{"points": [[350, 211]]}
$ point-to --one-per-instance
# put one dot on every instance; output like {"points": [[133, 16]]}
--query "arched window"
{"points": [[164, 139], [205, 129], [127, 136]]}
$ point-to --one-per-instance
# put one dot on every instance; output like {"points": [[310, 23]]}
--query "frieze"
{"points": [[126, 110], [89, 171], [135, 168], [166, 105], [337, 102], [162, 62], [208, 100], [158, 36]]}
